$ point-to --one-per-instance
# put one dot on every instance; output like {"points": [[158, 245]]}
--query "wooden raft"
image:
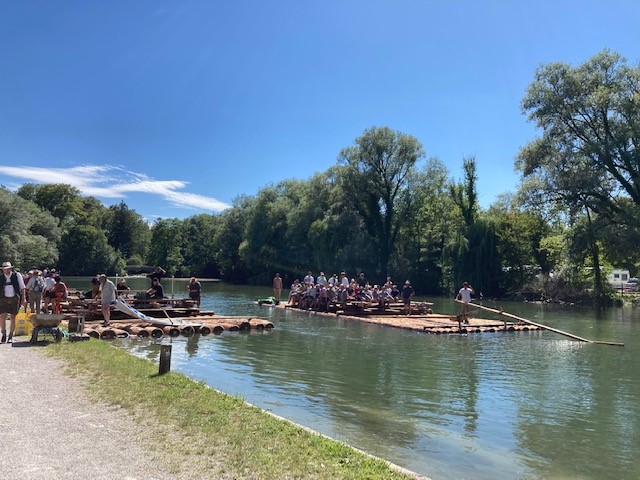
{"points": [[432, 323]]}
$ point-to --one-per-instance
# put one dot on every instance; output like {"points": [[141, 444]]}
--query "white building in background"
{"points": [[618, 276]]}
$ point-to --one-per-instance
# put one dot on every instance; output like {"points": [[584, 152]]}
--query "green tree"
{"points": [[199, 245], [589, 115], [166, 245], [420, 254], [375, 178], [264, 233], [520, 232], [587, 159], [28, 234], [229, 237], [84, 250], [473, 248], [62, 201], [127, 231]]}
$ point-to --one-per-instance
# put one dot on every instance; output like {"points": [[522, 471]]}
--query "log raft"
{"points": [[207, 325], [421, 319], [176, 316]]}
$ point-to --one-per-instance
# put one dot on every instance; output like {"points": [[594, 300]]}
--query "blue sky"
{"points": [[179, 107]]}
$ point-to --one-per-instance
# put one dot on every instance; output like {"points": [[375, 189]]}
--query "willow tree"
{"points": [[587, 157], [375, 178], [473, 249]]}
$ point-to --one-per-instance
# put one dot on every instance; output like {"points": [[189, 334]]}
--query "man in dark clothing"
{"points": [[406, 294], [362, 280], [194, 290], [157, 273], [156, 290]]}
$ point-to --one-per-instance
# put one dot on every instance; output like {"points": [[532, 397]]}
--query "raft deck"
{"points": [[432, 323]]}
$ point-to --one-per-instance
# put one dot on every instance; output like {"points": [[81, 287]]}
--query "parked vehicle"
{"points": [[631, 285]]}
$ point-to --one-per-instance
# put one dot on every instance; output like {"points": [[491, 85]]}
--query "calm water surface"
{"points": [[482, 406]]}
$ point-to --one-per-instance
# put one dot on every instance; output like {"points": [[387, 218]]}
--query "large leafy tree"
{"points": [[431, 221], [522, 246], [375, 179], [63, 202], [589, 115], [127, 232], [166, 245], [28, 234], [587, 158], [199, 245], [84, 250], [229, 237]]}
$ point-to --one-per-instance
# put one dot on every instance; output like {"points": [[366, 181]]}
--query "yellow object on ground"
{"points": [[23, 325]]}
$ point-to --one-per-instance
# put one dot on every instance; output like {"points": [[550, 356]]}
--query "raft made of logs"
{"points": [[432, 323], [202, 325]]}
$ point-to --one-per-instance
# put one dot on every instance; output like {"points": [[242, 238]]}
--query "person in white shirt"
{"points": [[12, 295], [35, 286], [465, 295], [47, 292], [108, 295], [321, 280], [308, 279]]}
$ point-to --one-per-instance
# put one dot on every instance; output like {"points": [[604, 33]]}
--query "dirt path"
{"points": [[49, 429]]}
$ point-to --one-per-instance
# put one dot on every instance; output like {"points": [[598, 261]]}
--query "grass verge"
{"points": [[198, 432]]}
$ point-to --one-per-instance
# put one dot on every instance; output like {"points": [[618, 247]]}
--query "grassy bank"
{"points": [[198, 432]]}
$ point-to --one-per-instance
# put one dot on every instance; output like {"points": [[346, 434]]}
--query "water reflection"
{"points": [[517, 405]]}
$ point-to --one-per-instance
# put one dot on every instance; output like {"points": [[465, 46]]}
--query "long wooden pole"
{"points": [[540, 325]]}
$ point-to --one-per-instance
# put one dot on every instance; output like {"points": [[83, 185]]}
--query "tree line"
{"points": [[387, 210]]}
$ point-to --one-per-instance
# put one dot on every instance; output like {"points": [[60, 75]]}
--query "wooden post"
{"points": [[165, 357]]}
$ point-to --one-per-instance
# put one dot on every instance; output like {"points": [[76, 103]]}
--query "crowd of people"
{"points": [[42, 291], [39, 290], [317, 293]]}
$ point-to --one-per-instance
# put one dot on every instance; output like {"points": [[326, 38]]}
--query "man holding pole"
{"points": [[465, 295]]}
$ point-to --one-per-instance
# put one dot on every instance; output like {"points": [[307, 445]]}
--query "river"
{"points": [[513, 405]]}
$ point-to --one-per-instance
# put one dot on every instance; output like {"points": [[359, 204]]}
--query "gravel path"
{"points": [[49, 429]]}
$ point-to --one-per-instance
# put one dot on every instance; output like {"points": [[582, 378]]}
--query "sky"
{"points": [[179, 107]]}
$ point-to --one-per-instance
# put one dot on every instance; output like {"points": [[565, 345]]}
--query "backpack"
{"points": [[39, 285]]}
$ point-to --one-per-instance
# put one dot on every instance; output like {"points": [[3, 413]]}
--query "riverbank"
{"points": [[49, 428], [192, 431]]}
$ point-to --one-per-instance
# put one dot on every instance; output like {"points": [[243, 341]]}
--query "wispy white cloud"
{"points": [[109, 181]]}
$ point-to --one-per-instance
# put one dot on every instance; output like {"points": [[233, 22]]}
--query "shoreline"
{"points": [[254, 443]]}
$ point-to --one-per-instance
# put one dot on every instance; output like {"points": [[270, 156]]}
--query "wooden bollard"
{"points": [[165, 357]]}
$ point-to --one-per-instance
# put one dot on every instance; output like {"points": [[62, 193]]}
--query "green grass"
{"points": [[198, 432]]}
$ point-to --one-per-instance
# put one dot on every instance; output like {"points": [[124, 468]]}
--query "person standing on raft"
{"points": [[108, 294], [277, 288], [465, 295], [407, 294], [195, 289]]}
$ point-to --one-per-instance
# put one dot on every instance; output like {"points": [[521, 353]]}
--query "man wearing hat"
{"points": [[12, 294], [407, 294]]}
